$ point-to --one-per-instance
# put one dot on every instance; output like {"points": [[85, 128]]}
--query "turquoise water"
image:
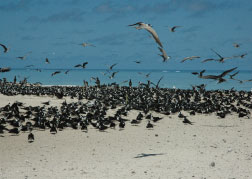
{"points": [[171, 78]]}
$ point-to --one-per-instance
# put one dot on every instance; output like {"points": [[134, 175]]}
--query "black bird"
{"points": [[30, 137], [172, 29], [14, 130], [111, 67], [122, 124], [149, 125], [186, 121], [137, 61], [66, 72], [81, 65], [113, 74], [47, 61], [56, 72], [5, 48], [53, 130]]}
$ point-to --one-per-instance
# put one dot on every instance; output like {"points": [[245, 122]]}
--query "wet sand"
{"points": [[211, 148]]}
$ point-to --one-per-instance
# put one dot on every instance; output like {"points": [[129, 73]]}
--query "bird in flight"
{"points": [[5, 69], [148, 27], [137, 61], [221, 58], [173, 28], [82, 65], [236, 45], [84, 44], [56, 72], [24, 57], [113, 74], [66, 72], [5, 48], [241, 56], [189, 58], [214, 77], [111, 67], [47, 61], [164, 54]]}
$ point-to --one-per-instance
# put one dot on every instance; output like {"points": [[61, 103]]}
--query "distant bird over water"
{"points": [[173, 28], [47, 61], [5, 69], [24, 57], [189, 58], [236, 45], [5, 48], [84, 44], [148, 27], [81, 65], [56, 72]]}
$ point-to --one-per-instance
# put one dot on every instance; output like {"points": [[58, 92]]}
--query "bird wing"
{"points": [[227, 71], [112, 66], [206, 60], [79, 65], [164, 54], [201, 73], [159, 81], [154, 34], [138, 23], [5, 48], [217, 53], [210, 77], [195, 73]]}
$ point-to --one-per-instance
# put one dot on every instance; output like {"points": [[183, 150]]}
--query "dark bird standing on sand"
{"points": [[186, 121], [148, 27], [149, 125], [5, 48], [30, 137]]}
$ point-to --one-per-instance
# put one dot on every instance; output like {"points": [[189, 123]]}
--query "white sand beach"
{"points": [[210, 148]]}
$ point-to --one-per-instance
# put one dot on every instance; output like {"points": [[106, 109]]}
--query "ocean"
{"points": [[182, 79]]}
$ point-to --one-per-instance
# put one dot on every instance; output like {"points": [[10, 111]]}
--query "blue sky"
{"points": [[54, 29]]}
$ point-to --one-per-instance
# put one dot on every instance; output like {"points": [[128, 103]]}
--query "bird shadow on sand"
{"points": [[147, 155]]}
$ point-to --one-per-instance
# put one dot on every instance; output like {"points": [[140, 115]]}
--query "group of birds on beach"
{"points": [[93, 113], [144, 98]]}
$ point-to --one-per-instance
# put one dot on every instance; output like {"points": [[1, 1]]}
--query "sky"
{"points": [[54, 29]]}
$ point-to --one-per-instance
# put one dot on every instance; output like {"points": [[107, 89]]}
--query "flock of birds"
{"points": [[95, 114], [17, 117], [165, 57]]}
